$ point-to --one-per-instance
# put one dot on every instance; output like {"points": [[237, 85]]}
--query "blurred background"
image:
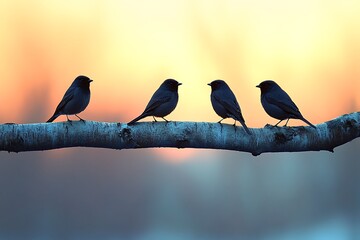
{"points": [[311, 48]]}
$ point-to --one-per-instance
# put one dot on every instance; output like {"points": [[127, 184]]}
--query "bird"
{"points": [[225, 104], [75, 100], [278, 104], [162, 102]]}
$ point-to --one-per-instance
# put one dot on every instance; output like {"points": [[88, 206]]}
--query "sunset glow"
{"points": [[311, 48]]}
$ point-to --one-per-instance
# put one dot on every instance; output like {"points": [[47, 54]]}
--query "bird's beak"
{"points": [[209, 84], [90, 80], [258, 86], [179, 84]]}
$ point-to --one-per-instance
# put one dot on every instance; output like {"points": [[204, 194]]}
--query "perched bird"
{"points": [[163, 102], [75, 100], [225, 104], [278, 104]]}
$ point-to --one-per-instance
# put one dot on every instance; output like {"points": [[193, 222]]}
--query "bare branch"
{"points": [[45, 136]]}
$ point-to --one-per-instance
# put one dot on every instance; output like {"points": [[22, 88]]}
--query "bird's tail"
{"points": [[308, 122], [245, 127], [53, 118], [137, 119]]}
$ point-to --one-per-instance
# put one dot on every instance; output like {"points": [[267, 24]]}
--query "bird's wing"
{"points": [[156, 101], [69, 94], [283, 101], [231, 106]]}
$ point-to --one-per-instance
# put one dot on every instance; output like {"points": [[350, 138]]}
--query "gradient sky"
{"points": [[311, 48]]}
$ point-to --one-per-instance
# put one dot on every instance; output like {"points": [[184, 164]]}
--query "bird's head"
{"points": [[217, 84], [82, 81], [267, 85], [171, 84]]}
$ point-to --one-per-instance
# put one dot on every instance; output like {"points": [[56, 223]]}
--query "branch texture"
{"points": [[45, 136]]}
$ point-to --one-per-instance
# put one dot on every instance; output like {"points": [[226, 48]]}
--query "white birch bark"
{"points": [[46, 136]]}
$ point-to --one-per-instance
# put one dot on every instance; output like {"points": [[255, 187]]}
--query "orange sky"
{"points": [[311, 48]]}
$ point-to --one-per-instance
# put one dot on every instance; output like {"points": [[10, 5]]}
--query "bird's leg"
{"points": [[221, 124], [154, 119], [278, 123], [286, 122], [80, 118], [234, 123], [165, 120], [69, 121]]}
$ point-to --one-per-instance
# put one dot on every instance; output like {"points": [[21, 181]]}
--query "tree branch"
{"points": [[45, 136]]}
